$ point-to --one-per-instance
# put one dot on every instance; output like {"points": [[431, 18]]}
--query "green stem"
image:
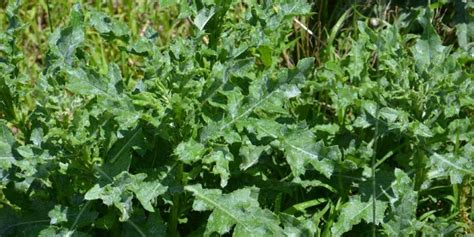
{"points": [[50, 23], [420, 161], [374, 181], [110, 5], [278, 200], [175, 209]]}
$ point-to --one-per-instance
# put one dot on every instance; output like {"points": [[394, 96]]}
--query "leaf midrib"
{"points": [[127, 144], [216, 205]]}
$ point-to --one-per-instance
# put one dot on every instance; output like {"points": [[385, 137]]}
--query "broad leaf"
{"points": [[124, 187], [403, 207], [239, 208], [203, 17], [354, 211]]}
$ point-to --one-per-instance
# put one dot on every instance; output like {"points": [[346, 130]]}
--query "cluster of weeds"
{"points": [[226, 127]]}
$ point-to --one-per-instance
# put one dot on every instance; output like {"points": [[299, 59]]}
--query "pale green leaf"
{"points": [[221, 159], [454, 166], [239, 208], [190, 151], [428, 50], [420, 129], [354, 211], [250, 153], [123, 188], [203, 16], [146, 192], [300, 146], [58, 215], [403, 204], [63, 43], [108, 27], [6, 142]]}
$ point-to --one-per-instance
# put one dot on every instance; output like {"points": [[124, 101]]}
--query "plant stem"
{"points": [[175, 209], [50, 23], [420, 161], [374, 181]]}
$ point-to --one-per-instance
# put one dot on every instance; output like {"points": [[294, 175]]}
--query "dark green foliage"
{"points": [[213, 134]]}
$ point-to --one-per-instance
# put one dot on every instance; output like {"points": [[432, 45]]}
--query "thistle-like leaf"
{"points": [[239, 208]]}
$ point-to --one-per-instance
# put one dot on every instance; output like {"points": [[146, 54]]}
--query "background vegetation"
{"points": [[250, 118]]}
